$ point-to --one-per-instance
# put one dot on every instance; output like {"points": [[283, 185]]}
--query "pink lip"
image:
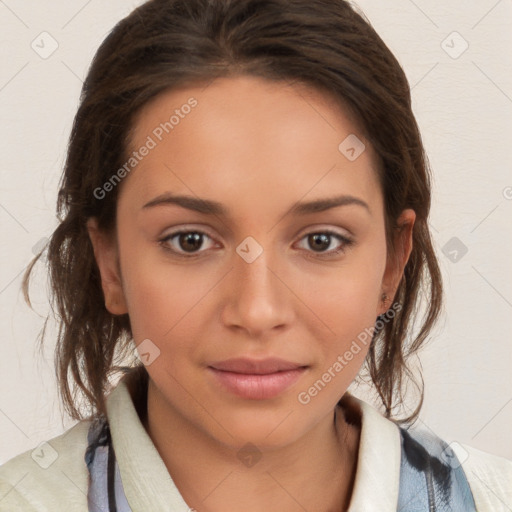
{"points": [[256, 379]]}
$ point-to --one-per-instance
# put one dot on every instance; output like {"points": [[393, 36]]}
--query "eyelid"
{"points": [[183, 230], [323, 228], [345, 239]]}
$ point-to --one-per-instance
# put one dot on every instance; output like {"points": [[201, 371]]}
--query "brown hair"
{"points": [[166, 44]]}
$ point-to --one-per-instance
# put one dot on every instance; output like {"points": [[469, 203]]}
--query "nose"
{"points": [[258, 297]]}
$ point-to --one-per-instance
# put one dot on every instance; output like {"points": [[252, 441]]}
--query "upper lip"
{"points": [[255, 366]]}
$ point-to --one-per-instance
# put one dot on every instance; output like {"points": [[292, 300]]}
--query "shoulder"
{"points": [[489, 476], [50, 477]]}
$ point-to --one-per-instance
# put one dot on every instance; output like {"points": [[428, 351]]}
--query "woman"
{"points": [[246, 201]]}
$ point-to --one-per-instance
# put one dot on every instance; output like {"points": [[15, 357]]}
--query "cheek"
{"points": [[347, 303], [349, 312], [347, 308], [347, 297], [158, 297], [164, 298]]}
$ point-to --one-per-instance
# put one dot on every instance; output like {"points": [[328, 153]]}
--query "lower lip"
{"points": [[257, 387]]}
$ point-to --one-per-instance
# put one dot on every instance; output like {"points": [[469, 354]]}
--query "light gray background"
{"points": [[463, 103]]}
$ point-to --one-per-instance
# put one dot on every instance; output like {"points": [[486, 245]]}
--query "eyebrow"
{"points": [[209, 207]]}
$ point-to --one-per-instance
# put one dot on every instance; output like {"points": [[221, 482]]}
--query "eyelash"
{"points": [[346, 243]]}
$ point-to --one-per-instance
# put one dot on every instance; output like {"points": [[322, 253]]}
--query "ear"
{"points": [[107, 259], [395, 265]]}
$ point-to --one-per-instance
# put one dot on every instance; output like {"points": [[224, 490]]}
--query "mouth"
{"points": [[256, 379]]}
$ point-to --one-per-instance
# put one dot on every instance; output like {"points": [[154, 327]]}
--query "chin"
{"points": [[264, 427]]}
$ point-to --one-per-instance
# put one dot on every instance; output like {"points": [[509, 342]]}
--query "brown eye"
{"points": [[182, 243], [319, 242], [190, 241]]}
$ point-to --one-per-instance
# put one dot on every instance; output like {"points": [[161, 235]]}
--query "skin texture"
{"points": [[258, 147]]}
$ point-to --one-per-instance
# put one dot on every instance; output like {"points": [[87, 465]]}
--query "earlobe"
{"points": [[105, 253], [395, 266]]}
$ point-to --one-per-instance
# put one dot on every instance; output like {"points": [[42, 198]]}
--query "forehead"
{"points": [[252, 138]]}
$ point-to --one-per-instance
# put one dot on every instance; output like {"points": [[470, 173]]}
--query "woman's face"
{"points": [[263, 273]]}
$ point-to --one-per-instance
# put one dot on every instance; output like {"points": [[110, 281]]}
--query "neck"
{"points": [[324, 464]]}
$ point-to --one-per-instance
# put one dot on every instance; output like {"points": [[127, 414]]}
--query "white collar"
{"points": [[146, 481], [148, 485], [378, 462]]}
